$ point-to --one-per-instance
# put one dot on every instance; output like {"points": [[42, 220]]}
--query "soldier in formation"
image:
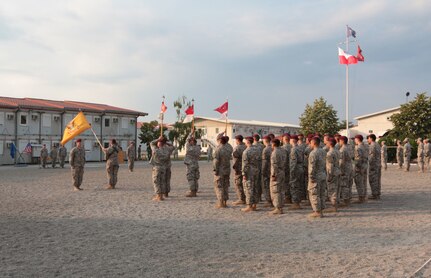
{"points": [[209, 153], [131, 156], [251, 158], [384, 155], [407, 153], [375, 166], [260, 147], [278, 173], [53, 154], [221, 168], [160, 157], [427, 154], [361, 165], [77, 162], [237, 168], [112, 165], [287, 148], [333, 174], [193, 154], [346, 171], [421, 155], [43, 155], [400, 154], [296, 172], [62, 153], [266, 170], [317, 178]]}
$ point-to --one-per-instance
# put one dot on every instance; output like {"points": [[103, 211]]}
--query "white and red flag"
{"points": [[223, 109], [345, 58], [163, 108], [190, 113], [359, 56]]}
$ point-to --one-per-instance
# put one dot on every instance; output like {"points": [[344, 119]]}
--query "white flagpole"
{"points": [[347, 85]]}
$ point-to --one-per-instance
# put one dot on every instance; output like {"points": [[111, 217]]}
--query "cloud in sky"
{"points": [[266, 56]]}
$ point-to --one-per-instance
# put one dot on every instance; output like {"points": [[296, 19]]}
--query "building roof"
{"points": [[67, 105], [378, 113], [251, 122]]}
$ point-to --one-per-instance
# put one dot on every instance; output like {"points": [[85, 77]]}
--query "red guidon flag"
{"points": [[223, 109], [346, 59], [190, 113], [359, 56], [163, 108]]}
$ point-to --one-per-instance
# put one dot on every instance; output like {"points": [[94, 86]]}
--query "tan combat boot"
{"points": [[276, 211], [254, 207], [247, 209], [295, 206], [191, 194], [316, 214], [218, 205], [157, 198], [224, 204], [166, 195], [238, 202], [268, 205], [110, 187], [361, 200]]}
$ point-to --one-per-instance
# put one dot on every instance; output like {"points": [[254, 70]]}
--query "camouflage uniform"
{"points": [[407, 152], [193, 154], [296, 172], [237, 168], [259, 182], [131, 156], [43, 156], [421, 156], [112, 164], [400, 156], [159, 160], [307, 152], [361, 163], [346, 173], [77, 162], [167, 186], [221, 164], [266, 172], [53, 154], [287, 148], [384, 157], [303, 186], [317, 179], [333, 175], [62, 153], [427, 155], [210, 153], [250, 171], [278, 173], [375, 166]]}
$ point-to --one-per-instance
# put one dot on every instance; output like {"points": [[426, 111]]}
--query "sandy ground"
{"points": [[47, 230]]}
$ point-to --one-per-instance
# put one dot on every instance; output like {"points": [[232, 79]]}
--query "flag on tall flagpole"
{"points": [[163, 109], [75, 127], [223, 109], [359, 56], [345, 58], [190, 113], [351, 32], [27, 149]]}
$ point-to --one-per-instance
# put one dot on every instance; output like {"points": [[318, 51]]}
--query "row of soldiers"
{"points": [[295, 170], [404, 153], [61, 153]]}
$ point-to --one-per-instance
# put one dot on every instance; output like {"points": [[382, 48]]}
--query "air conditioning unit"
{"points": [[10, 117], [56, 118], [96, 119], [34, 117], [132, 121], [115, 120]]}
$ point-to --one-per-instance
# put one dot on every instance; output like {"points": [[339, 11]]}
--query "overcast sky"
{"points": [[270, 58]]}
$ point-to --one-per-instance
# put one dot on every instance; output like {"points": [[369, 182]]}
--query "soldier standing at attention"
{"points": [[221, 167], [237, 168], [400, 154], [193, 154], [43, 155], [131, 155], [278, 162], [301, 148], [159, 160], [62, 153], [421, 155], [333, 174], [209, 153], [77, 162], [266, 170], [317, 178], [53, 154], [384, 156], [286, 147], [307, 152], [250, 173], [407, 152], [296, 170], [170, 149], [375, 166], [427, 154], [112, 165], [361, 162], [259, 183], [346, 171]]}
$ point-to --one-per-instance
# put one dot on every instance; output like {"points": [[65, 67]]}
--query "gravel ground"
{"points": [[48, 230]]}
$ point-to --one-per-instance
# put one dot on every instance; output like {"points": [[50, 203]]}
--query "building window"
{"points": [[107, 122], [23, 119], [217, 130]]}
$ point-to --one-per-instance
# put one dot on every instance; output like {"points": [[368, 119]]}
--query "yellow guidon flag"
{"points": [[76, 126]]}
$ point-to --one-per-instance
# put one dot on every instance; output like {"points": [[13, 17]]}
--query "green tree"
{"points": [[319, 117], [414, 119], [342, 125], [180, 131], [149, 132]]}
